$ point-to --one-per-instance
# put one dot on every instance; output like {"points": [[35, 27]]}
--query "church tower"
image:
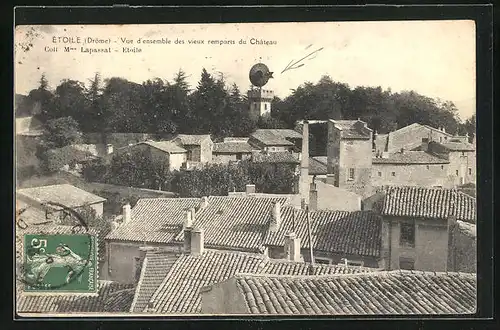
{"points": [[260, 102]]}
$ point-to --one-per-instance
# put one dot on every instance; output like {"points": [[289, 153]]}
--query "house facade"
{"points": [[165, 152], [198, 148], [412, 168], [417, 226], [349, 155], [461, 157], [232, 150], [275, 140]]}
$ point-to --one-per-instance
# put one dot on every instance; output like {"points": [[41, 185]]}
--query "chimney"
{"points": [[292, 247], [197, 242], [188, 221], [276, 217], [127, 213], [304, 163], [193, 214], [250, 189], [204, 202], [109, 149], [187, 239]]}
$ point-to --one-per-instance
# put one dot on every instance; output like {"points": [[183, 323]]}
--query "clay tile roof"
{"points": [[232, 147], [154, 269], [410, 157], [275, 157], [179, 291], [429, 203], [187, 139], [112, 297], [316, 167], [458, 146], [351, 129], [235, 222], [395, 292], [64, 194], [166, 146], [155, 220], [275, 137], [357, 233]]}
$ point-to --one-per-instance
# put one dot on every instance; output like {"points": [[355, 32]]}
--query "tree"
{"points": [[61, 132], [69, 101], [41, 100], [93, 114], [122, 106], [208, 105]]}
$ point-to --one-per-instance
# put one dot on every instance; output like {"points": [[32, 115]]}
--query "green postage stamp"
{"points": [[60, 263]]}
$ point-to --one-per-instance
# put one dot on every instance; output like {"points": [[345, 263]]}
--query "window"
{"points": [[265, 106], [456, 172], [379, 173], [406, 263], [350, 176], [238, 156], [470, 171], [442, 167], [446, 138], [440, 139], [463, 154], [190, 155], [407, 237], [393, 173], [428, 167]]}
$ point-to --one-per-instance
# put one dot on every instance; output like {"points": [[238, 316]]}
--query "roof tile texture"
{"points": [[429, 203], [360, 294]]}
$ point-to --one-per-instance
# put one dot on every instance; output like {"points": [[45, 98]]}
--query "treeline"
{"points": [[165, 108], [136, 169]]}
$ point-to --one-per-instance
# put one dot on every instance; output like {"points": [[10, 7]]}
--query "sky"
{"points": [[433, 58]]}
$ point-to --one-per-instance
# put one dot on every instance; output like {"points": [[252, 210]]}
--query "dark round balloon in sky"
{"points": [[260, 74]]}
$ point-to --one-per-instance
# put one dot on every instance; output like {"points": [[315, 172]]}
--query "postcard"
{"points": [[251, 169]]}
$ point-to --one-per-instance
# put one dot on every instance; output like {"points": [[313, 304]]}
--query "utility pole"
{"points": [[309, 234]]}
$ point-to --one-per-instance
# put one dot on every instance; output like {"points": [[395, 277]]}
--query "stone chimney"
{"points": [[109, 149], [126, 213], [276, 217], [193, 214], [187, 239], [188, 220], [304, 163], [197, 241], [204, 202], [250, 188], [292, 247]]}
